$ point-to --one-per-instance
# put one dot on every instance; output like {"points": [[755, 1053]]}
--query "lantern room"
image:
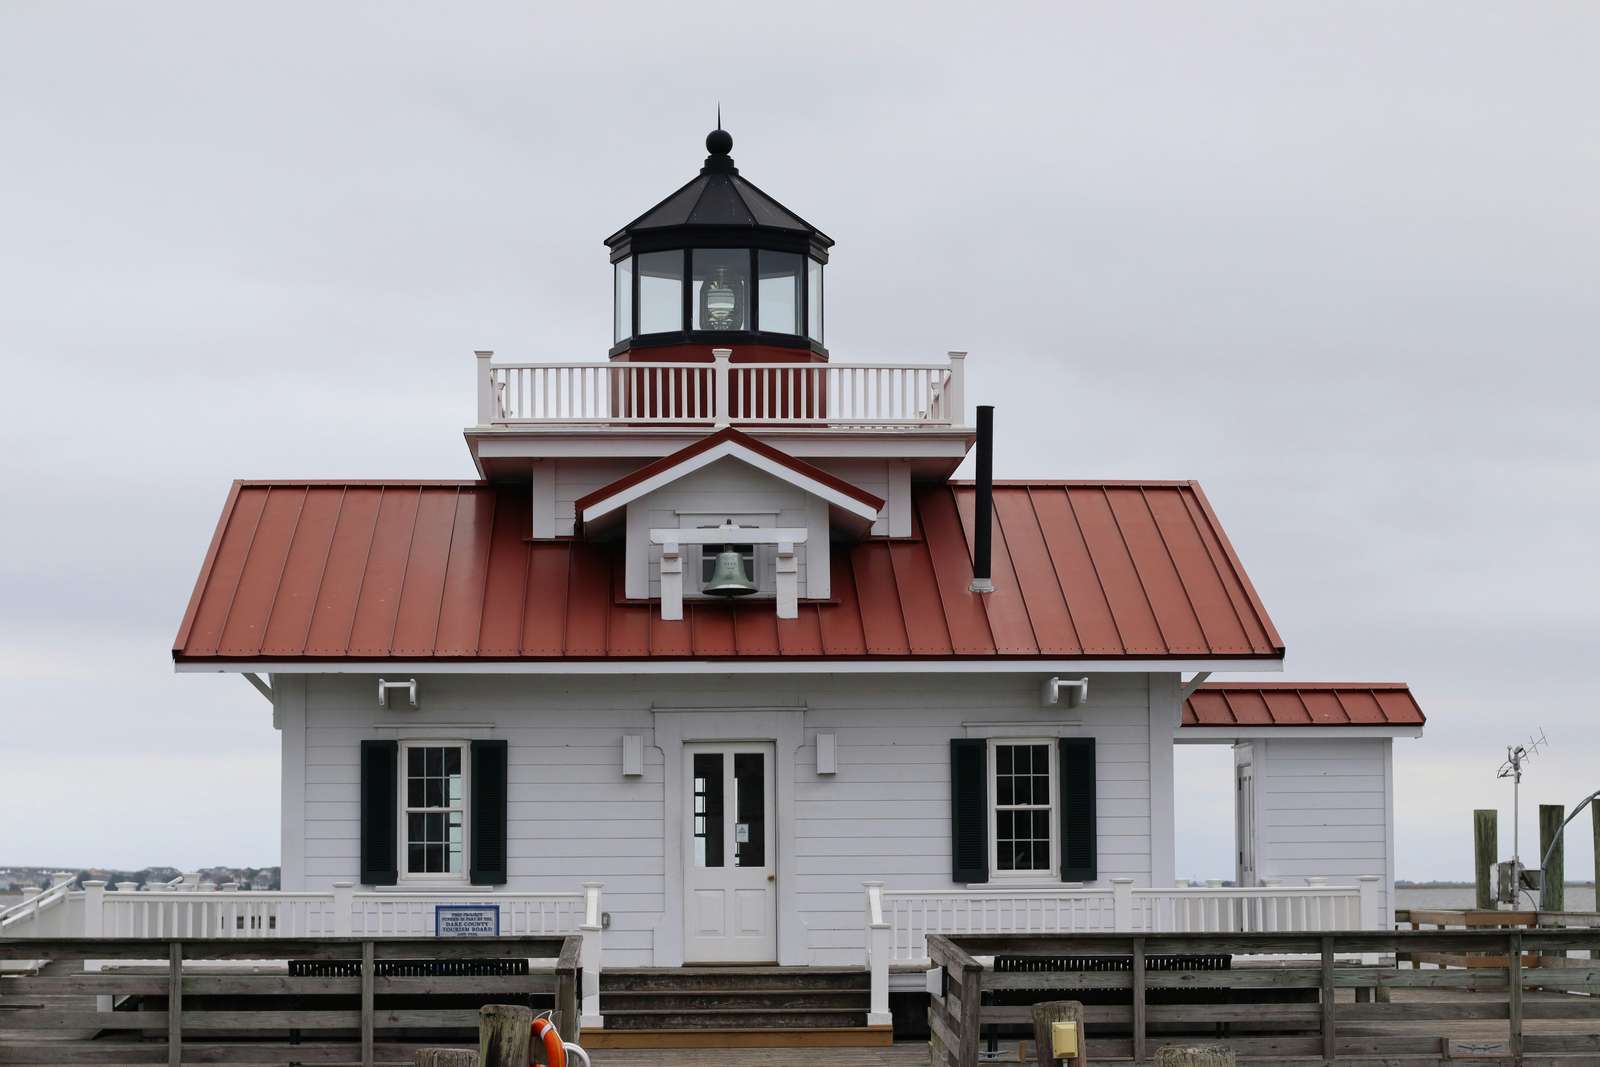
{"points": [[719, 264]]}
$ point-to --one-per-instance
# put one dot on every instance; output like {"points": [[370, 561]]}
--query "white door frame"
{"points": [[784, 729], [730, 881], [1246, 817]]}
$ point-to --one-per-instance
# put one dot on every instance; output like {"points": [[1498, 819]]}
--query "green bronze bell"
{"points": [[729, 578]]}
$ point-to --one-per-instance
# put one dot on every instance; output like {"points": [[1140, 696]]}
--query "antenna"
{"points": [[1516, 757]]}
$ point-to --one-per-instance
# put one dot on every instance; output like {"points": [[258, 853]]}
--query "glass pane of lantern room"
{"points": [[814, 300], [779, 306], [661, 292], [721, 296], [623, 299]]}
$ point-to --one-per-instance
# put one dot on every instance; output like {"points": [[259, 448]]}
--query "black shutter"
{"points": [[487, 815], [1078, 839], [969, 809], [380, 796]]}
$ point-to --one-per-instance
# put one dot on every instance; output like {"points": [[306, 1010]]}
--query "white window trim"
{"points": [[403, 830], [1052, 872]]}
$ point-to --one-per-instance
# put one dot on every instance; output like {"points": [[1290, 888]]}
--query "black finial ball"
{"points": [[719, 142]]}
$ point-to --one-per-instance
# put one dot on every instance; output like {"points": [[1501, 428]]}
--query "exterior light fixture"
{"points": [[1067, 692], [409, 687]]}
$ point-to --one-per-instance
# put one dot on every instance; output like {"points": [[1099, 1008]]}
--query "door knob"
{"points": [[772, 877]]}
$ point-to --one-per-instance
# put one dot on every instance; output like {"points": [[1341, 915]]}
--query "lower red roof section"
{"points": [[1303, 704], [446, 570]]}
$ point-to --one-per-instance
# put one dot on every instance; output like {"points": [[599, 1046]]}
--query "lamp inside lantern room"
{"points": [[722, 301]]}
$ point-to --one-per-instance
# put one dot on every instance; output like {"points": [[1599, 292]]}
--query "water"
{"points": [[1579, 897]]}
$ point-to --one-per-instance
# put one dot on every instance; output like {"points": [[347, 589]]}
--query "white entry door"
{"points": [[730, 893]]}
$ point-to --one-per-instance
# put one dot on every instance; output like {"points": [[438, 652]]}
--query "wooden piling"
{"points": [[446, 1057], [1552, 884], [504, 1031], [1485, 852]]}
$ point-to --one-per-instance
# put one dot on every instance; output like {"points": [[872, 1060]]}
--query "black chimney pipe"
{"points": [[983, 519]]}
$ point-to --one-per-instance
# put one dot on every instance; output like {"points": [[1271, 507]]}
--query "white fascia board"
{"points": [[636, 442], [1223, 735], [722, 666], [729, 450]]}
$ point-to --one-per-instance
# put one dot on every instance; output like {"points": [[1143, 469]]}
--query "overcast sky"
{"points": [[1338, 262]]}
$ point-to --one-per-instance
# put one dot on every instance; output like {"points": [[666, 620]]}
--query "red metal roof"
{"points": [[1303, 704], [446, 570]]}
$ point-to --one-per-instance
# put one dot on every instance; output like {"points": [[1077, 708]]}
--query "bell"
{"points": [[729, 579]]}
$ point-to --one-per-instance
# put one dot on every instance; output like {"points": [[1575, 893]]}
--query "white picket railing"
{"points": [[909, 916], [206, 912], [721, 393]]}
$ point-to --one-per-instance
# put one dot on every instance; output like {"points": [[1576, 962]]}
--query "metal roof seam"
{"points": [[1233, 712], [405, 571], [1237, 567], [283, 566], [1010, 563], [444, 582], [322, 572], [238, 579], [366, 560], [1133, 561], [186, 624], [1099, 579], [1222, 581], [1343, 707], [1066, 605], [1166, 547]]}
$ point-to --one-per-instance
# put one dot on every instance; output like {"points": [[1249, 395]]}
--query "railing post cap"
{"points": [[722, 353], [594, 885], [344, 885], [1122, 881], [483, 353], [1367, 878], [93, 883], [956, 355], [873, 885]]}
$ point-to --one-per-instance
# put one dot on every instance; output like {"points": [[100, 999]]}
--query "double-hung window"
{"points": [[433, 810], [1023, 823]]}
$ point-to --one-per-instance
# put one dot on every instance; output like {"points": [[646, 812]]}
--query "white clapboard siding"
{"points": [[1326, 811], [574, 817]]}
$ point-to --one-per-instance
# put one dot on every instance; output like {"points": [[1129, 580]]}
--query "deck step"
{"points": [[735, 998], [740, 1037]]}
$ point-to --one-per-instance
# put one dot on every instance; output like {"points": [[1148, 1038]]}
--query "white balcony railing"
{"points": [[909, 916], [722, 393], [206, 912], [194, 911]]}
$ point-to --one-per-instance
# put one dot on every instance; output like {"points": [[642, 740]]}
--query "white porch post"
{"points": [[720, 390], [1372, 917], [485, 390], [589, 958], [94, 924], [344, 902], [1122, 904], [877, 956], [956, 395], [94, 909]]}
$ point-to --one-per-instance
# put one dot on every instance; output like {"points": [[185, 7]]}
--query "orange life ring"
{"points": [[555, 1053]]}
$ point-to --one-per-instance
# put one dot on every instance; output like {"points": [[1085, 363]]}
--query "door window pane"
{"points": [[814, 300], [707, 815], [623, 299], [779, 306], [721, 297], [750, 820], [660, 292]]}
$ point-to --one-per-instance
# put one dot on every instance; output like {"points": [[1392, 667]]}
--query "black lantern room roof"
{"points": [[719, 207]]}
